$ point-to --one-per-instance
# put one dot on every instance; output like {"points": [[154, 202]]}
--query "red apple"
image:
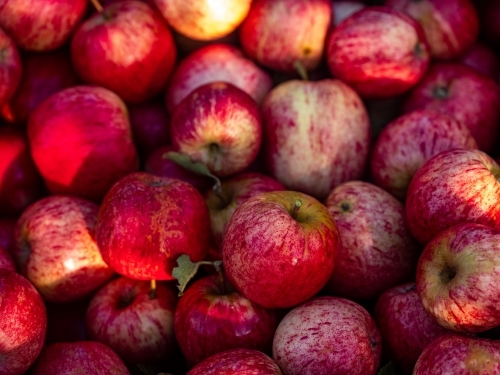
{"points": [[23, 323], [66, 321], [408, 142], [56, 248], [327, 336], [344, 9], [316, 135], [483, 59], [41, 25], [81, 357], [217, 62], [81, 141], [11, 68], [379, 51], [237, 362], [146, 222], [6, 260], [219, 125], [279, 248], [281, 33], [455, 186], [464, 94]]}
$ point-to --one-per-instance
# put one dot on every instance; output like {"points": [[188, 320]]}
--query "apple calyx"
{"points": [[440, 92], [186, 270], [447, 274], [296, 208], [299, 67]]}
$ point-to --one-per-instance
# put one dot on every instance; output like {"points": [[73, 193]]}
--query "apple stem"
{"points": [[97, 5], [299, 67], [218, 267], [296, 208], [152, 289]]}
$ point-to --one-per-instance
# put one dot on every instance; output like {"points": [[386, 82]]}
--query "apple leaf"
{"points": [[186, 162], [388, 369], [186, 270]]}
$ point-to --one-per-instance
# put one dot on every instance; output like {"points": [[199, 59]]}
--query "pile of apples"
{"points": [[238, 187]]}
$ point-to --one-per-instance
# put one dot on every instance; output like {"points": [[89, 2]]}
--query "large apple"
{"points": [[316, 135], [10, 67], [279, 248], [146, 222], [23, 323], [81, 141]]}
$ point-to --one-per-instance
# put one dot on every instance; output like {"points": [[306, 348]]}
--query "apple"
{"points": [[204, 19], [405, 326], [281, 33], [41, 25], [344, 9], [379, 51], [376, 249], [11, 68], [406, 143], [451, 353], [23, 323], [279, 248], [237, 362], [450, 26], [316, 135], [455, 186], [44, 74], [463, 93], [20, 182], [482, 58], [146, 222], [66, 321], [81, 357], [217, 62], [458, 278], [6, 260], [81, 141], [218, 125], [213, 317], [56, 248], [327, 336]]}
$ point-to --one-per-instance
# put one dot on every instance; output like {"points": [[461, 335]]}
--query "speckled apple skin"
{"points": [[454, 354], [41, 25], [327, 336], [146, 222], [472, 98], [11, 69], [56, 248], [376, 249], [450, 26], [470, 301], [81, 141], [454, 186], [378, 51], [81, 357], [406, 143], [127, 48], [220, 114], [405, 326], [217, 62], [274, 259], [6, 260], [316, 135], [210, 319], [23, 325], [138, 328]]}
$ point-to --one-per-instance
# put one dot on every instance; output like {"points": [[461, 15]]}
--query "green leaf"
{"points": [[184, 272], [388, 369], [185, 161]]}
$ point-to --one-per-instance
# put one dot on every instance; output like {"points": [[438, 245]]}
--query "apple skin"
{"points": [[23, 324], [20, 182], [41, 25], [268, 251], [56, 249], [81, 357], [66, 321], [327, 336], [219, 125], [406, 143], [6, 260], [405, 326], [455, 186], [316, 135], [237, 362], [376, 249], [463, 93], [450, 26], [213, 317], [123, 316], [344, 9], [169, 217], [11, 68], [458, 354], [217, 62], [97, 150], [44, 74], [379, 51], [483, 59], [279, 33], [458, 278]]}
